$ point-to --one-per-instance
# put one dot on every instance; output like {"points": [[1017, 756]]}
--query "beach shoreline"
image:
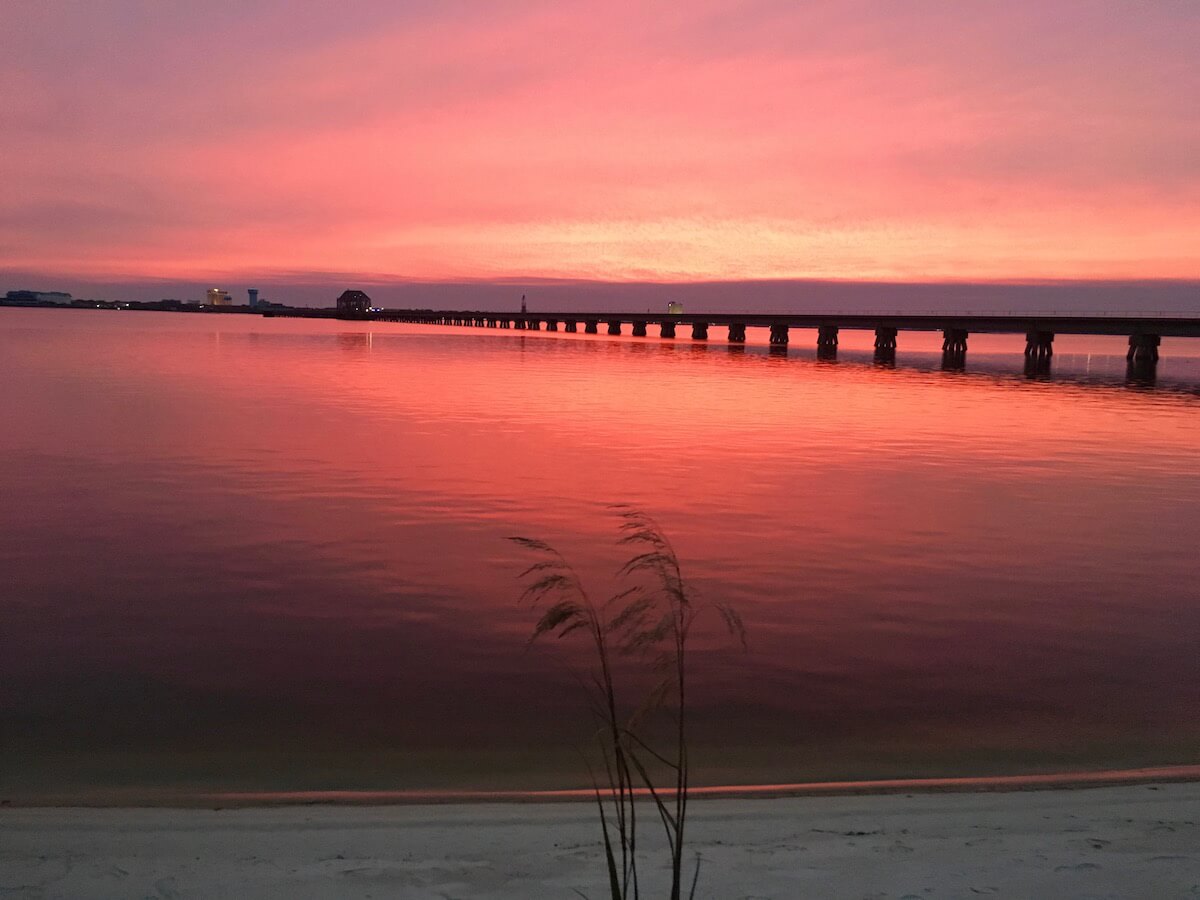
{"points": [[1107, 841], [186, 799]]}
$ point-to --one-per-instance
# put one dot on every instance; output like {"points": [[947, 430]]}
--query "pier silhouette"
{"points": [[1144, 330]]}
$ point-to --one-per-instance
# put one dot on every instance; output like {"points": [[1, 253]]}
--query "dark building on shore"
{"points": [[355, 302], [39, 298]]}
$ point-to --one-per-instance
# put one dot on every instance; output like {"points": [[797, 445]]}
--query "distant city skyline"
{"points": [[465, 143]]}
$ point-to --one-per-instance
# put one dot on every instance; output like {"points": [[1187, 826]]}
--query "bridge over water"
{"points": [[1144, 330]]}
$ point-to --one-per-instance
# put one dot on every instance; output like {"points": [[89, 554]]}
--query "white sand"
{"points": [[1136, 841]]}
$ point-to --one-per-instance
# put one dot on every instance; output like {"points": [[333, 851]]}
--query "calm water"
{"points": [[268, 554]]}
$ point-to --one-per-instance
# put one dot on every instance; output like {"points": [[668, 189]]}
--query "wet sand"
{"points": [[1129, 841]]}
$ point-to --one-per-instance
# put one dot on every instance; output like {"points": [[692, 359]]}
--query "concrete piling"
{"points": [[1039, 344]]}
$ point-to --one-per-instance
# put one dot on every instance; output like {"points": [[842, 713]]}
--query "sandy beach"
{"points": [[1130, 841]]}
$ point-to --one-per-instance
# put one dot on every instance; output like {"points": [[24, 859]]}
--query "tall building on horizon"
{"points": [[253, 294], [217, 297]]}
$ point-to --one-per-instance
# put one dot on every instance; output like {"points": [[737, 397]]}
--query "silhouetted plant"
{"points": [[651, 620]]}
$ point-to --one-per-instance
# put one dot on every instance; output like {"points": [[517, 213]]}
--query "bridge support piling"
{"points": [[639, 328], [954, 340], [1142, 358], [666, 329], [885, 347], [614, 327], [954, 348], [1143, 348], [885, 339], [1039, 344], [552, 324], [571, 326], [737, 333], [827, 341], [699, 331], [779, 334], [590, 326]]}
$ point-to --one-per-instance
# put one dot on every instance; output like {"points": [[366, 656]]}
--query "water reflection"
{"points": [[1037, 368], [272, 554], [1141, 373], [885, 357]]}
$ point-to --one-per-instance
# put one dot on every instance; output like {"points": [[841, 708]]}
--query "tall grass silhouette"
{"points": [[649, 622]]}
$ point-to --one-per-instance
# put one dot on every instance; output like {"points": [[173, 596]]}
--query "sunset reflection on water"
{"points": [[255, 554]]}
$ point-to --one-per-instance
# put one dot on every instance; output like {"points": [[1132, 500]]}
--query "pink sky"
{"points": [[610, 141]]}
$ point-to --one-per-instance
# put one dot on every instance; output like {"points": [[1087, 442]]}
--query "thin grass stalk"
{"points": [[695, 879], [620, 781], [624, 778], [636, 630], [663, 811], [681, 772], [614, 883]]}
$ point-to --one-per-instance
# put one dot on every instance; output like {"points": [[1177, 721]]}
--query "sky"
{"points": [[150, 147]]}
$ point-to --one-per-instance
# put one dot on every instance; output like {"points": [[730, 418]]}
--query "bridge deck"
{"points": [[1016, 323]]}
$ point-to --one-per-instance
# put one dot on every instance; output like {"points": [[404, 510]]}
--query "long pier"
{"points": [[1145, 332]]}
